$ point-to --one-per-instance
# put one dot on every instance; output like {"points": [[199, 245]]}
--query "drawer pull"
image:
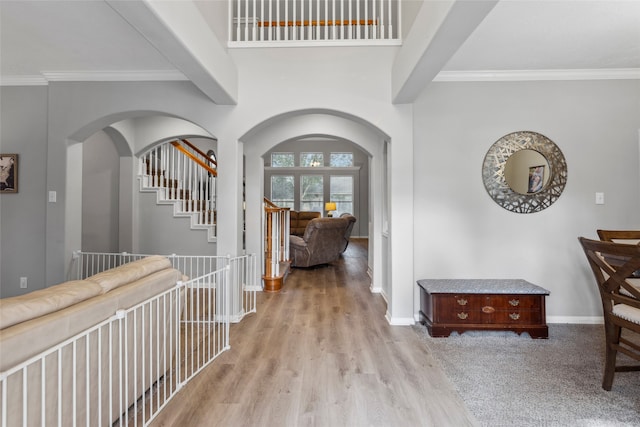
{"points": [[488, 309], [462, 301], [514, 316], [514, 302], [463, 315]]}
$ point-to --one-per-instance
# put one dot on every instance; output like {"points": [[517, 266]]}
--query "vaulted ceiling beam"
{"points": [[440, 28], [179, 32]]}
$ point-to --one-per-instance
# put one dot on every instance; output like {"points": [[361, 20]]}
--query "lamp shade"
{"points": [[330, 206]]}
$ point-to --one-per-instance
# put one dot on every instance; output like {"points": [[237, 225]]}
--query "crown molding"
{"points": [[92, 76], [113, 76], [23, 81], [538, 75]]}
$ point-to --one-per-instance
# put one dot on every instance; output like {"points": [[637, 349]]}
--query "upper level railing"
{"points": [[314, 22]]}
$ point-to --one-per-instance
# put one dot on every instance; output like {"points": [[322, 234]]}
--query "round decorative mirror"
{"points": [[524, 172]]}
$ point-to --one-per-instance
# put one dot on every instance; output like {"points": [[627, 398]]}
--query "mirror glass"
{"points": [[524, 172]]}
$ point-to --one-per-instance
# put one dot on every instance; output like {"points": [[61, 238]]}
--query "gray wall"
{"points": [[100, 193], [39, 123], [462, 233], [23, 131], [361, 182]]}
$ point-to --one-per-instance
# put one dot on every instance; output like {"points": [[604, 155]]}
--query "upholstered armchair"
{"points": [[298, 221], [323, 241], [347, 232]]}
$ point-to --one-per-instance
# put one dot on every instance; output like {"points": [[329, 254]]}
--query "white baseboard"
{"points": [[399, 321], [586, 320]]}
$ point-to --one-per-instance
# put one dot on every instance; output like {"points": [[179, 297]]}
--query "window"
{"points": [[282, 192], [311, 187], [341, 192], [341, 160], [282, 160], [311, 160]]}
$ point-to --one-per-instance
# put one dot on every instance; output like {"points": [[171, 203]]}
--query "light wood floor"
{"points": [[320, 353]]}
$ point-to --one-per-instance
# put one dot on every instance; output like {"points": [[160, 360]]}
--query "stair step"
{"points": [[187, 202]]}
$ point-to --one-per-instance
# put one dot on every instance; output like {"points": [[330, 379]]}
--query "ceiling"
{"points": [[40, 37], [554, 35]]}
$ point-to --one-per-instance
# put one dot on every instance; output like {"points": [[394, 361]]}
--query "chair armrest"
{"points": [[297, 242]]}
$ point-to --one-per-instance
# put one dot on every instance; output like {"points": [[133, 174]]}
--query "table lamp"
{"points": [[330, 206]]}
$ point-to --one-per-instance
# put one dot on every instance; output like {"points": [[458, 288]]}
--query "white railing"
{"points": [[313, 22], [124, 370], [182, 176], [244, 285], [243, 273]]}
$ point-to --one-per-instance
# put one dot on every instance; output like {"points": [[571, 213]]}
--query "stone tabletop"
{"points": [[480, 286]]}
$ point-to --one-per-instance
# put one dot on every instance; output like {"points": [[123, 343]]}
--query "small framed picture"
{"points": [[8, 173], [536, 179]]}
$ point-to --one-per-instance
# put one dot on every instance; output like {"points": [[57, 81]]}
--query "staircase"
{"points": [[182, 175]]}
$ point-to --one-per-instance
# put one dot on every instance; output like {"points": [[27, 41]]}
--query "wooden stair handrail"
{"points": [[273, 206], [187, 153], [199, 151]]}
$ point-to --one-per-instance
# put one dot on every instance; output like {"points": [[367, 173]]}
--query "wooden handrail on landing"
{"points": [[273, 205], [321, 23], [199, 151], [190, 155]]}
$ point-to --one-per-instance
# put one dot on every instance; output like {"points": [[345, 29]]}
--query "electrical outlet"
{"points": [[23, 283]]}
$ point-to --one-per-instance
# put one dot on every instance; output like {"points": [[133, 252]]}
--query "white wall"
{"points": [[352, 84], [462, 233]]}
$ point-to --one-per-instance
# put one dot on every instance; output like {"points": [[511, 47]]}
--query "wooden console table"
{"points": [[448, 305]]}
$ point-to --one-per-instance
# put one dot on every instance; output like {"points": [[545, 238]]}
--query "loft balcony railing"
{"points": [[314, 22]]}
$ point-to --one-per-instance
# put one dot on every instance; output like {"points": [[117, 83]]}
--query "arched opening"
{"points": [[331, 125], [105, 193]]}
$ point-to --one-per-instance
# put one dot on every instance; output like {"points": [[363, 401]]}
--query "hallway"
{"points": [[320, 353]]}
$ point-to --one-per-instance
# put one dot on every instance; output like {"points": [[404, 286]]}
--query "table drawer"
{"points": [[480, 317], [494, 300], [469, 308]]}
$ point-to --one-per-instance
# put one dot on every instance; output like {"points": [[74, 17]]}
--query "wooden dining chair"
{"points": [[620, 236], [631, 237], [613, 265]]}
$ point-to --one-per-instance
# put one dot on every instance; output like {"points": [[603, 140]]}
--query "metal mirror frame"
{"points": [[494, 178]]}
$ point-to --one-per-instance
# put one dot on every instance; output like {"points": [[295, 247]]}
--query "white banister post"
{"points": [[254, 24]]}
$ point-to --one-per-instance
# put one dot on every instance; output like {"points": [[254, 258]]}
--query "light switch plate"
{"points": [[599, 198]]}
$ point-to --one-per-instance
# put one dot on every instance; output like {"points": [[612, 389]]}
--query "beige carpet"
{"points": [[511, 380]]}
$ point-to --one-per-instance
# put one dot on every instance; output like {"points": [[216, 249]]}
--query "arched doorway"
{"points": [[328, 124], [108, 193]]}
